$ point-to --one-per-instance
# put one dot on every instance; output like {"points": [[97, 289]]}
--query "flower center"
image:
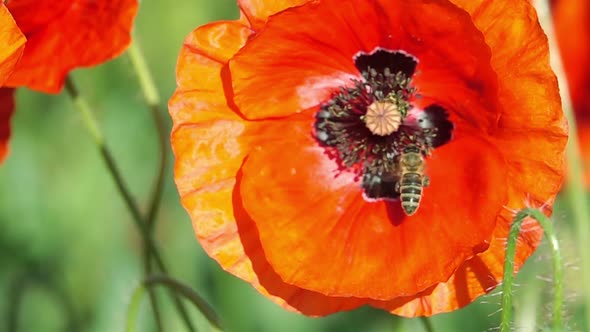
{"points": [[368, 126]]}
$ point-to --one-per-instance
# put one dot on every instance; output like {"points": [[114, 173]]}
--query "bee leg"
{"points": [[397, 187], [425, 181]]}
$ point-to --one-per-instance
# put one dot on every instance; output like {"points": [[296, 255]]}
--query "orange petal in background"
{"points": [[572, 30], [64, 35], [6, 110], [12, 41]]}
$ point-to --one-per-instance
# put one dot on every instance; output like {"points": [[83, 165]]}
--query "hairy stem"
{"points": [[508, 278]]}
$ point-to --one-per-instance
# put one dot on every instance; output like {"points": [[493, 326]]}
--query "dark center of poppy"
{"points": [[367, 126]]}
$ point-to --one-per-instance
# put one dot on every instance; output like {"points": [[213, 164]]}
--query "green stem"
{"points": [[133, 309], [156, 310], [91, 124], [152, 98], [509, 268], [141, 68], [428, 327], [178, 288], [35, 276], [575, 189]]}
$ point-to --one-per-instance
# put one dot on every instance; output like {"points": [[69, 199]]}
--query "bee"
{"points": [[412, 178]]}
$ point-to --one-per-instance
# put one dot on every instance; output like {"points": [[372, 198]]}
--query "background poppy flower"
{"points": [[64, 35], [12, 41], [268, 121], [572, 31]]}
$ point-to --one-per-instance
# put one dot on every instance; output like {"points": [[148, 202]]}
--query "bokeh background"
{"points": [[70, 256]]}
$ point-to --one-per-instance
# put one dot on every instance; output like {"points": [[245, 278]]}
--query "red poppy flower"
{"points": [[12, 41], [304, 133], [572, 29], [64, 35]]}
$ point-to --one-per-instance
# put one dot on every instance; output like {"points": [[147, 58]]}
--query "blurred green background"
{"points": [[70, 256]]}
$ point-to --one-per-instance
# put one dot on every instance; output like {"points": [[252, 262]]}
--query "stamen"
{"points": [[383, 118], [366, 126]]}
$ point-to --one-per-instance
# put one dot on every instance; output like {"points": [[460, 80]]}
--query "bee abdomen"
{"points": [[410, 192]]}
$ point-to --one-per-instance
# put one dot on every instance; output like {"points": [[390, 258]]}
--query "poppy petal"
{"points": [[510, 28], [204, 49], [12, 41], [273, 61], [64, 35], [210, 143], [258, 11], [342, 245], [6, 110], [532, 143], [209, 155], [477, 276]]}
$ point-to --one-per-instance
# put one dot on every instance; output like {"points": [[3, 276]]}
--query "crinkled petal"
{"points": [[210, 143], [342, 245], [202, 52], [476, 276], [292, 65], [531, 136], [532, 131], [64, 35], [258, 11], [12, 41]]}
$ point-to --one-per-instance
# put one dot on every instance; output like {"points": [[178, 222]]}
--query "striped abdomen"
{"points": [[410, 190]]}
